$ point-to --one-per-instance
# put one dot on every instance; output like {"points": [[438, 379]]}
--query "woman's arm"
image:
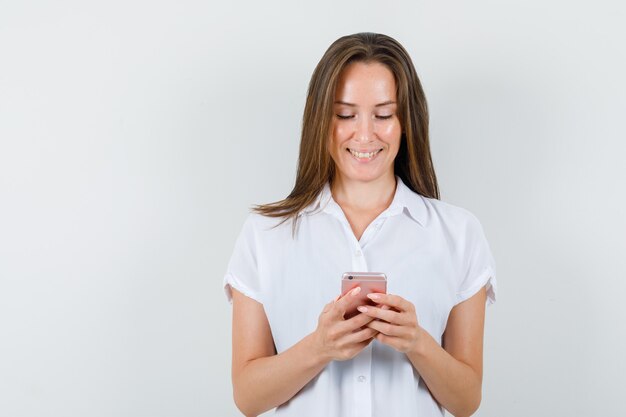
{"points": [[263, 379], [453, 373]]}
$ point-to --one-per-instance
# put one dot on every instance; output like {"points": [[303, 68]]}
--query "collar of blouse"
{"points": [[403, 199]]}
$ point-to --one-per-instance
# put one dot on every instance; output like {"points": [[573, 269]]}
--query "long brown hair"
{"points": [[413, 164]]}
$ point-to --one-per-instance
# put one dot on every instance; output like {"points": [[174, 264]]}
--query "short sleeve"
{"points": [[242, 271], [479, 268]]}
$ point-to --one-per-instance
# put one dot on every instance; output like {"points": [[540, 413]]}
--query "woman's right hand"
{"points": [[337, 338]]}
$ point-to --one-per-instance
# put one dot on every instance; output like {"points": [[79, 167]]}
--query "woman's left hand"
{"points": [[397, 324]]}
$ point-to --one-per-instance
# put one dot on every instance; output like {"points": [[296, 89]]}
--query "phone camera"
{"points": [[350, 277]]}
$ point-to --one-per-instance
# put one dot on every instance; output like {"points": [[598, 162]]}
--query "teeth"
{"points": [[363, 155]]}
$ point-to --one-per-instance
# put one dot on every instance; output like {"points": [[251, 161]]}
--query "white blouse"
{"points": [[434, 254]]}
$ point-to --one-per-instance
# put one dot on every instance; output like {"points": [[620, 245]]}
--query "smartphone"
{"points": [[369, 282]]}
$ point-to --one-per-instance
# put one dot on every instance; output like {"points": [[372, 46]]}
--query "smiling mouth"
{"points": [[364, 155]]}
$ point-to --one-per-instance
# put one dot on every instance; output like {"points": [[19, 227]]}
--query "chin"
{"points": [[364, 176]]}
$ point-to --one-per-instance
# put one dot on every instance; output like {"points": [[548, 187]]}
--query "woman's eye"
{"points": [[344, 117]]}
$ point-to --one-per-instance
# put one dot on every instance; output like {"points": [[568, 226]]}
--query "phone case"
{"points": [[369, 282]]}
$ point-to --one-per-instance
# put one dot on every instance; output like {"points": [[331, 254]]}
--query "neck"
{"points": [[362, 195]]}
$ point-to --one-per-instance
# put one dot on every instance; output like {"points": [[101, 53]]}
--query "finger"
{"points": [[384, 314], [387, 340], [359, 319], [387, 329], [360, 336], [391, 300], [342, 304], [363, 345], [346, 337], [353, 323]]}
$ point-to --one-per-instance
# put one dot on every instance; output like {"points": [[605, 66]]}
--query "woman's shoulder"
{"points": [[257, 222], [433, 212], [450, 214]]}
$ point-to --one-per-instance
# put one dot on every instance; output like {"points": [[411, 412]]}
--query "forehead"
{"points": [[366, 82]]}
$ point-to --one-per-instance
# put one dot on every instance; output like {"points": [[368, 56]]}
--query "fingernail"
{"points": [[373, 296], [337, 298], [362, 309], [355, 291]]}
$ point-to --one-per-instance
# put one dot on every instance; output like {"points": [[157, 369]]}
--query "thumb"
{"points": [[345, 300]]}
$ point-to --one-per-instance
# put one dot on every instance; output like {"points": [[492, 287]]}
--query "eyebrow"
{"points": [[354, 105]]}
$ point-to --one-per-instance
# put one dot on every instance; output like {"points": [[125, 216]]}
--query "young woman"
{"points": [[365, 199]]}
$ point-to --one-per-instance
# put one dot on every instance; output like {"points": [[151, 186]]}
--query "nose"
{"points": [[365, 129]]}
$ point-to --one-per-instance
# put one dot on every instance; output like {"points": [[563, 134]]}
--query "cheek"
{"points": [[393, 134], [340, 132], [334, 145], [391, 130]]}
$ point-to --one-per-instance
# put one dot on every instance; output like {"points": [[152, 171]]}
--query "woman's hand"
{"points": [[397, 324], [337, 338]]}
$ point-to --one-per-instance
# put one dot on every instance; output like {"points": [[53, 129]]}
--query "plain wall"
{"points": [[135, 135]]}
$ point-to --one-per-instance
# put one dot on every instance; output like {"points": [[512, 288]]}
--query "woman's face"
{"points": [[366, 131]]}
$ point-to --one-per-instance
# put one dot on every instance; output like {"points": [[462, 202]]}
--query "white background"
{"points": [[134, 135]]}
